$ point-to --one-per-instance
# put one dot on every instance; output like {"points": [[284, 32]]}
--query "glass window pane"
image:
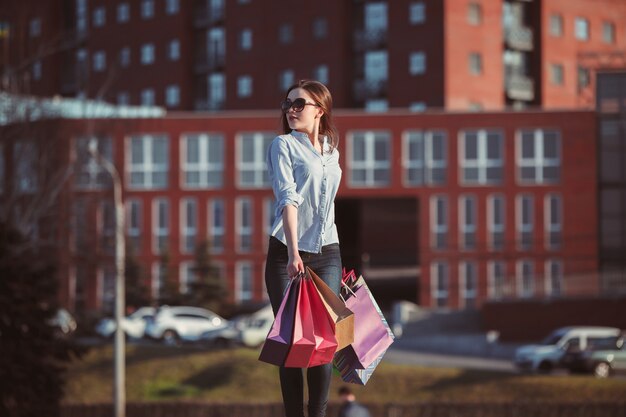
{"points": [[381, 175], [550, 144], [193, 150], [494, 174], [551, 174], [160, 150], [136, 146], [381, 149], [527, 173], [358, 148], [247, 151], [470, 174], [159, 179], [493, 146], [192, 178], [471, 146], [438, 147], [528, 146]]}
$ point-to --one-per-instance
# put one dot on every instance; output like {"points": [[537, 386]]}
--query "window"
{"points": [[188, 224], [439, 222], [286, 79], [88, 174], [482, 157], [467, 222], [251, 164], [320, 73], [123, 13], [496, 216], [99, 61], [554, 278], [474, 14], [81, 16], [245, 40], [244, 86], [424, 158], [187, 277], [581, 28], [147, 9], [217, 224], [160, 225], [417, 63], [148, 165], [417, 13], [133, 224], [376, 105], [244, 213], [147, 54], [37, 70], [439, 273], [217, 90], [172, 6], [417, 106], [475, 63], [583, 78], [123, 98], [468, 275], [173, 50], [99, 16], [553, 218], [25, 161], [320, 28], [525, 220], [203, 160], [496, 276], [34, 27], [556, 74], [244, 285], [525, 278], [147, 97], [172, 96], [125, 56], [106, 227], [608, 32], [539, 156], [285, 33], [370, 158], [556, 25]]}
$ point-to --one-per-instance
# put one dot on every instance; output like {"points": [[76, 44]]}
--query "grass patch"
{"points": [[155, 373]]}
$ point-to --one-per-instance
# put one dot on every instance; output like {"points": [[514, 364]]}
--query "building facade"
{"points": [[460, 209], [242, 54]]}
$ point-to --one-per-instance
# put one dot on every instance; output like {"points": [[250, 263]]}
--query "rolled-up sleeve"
{"points": [[280, 168]]}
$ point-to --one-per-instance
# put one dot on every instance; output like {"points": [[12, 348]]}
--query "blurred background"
{"points": [[483, 148]]}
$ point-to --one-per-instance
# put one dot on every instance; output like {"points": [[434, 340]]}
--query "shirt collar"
{"points": [[301, 135]]}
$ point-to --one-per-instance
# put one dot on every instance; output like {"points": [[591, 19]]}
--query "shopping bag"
{"points": [[342, 317], [372, 334], [313, 341], [348, 365], [279, 338]]}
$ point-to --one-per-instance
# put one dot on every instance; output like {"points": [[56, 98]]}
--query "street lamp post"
{"points": [[119, 383]]}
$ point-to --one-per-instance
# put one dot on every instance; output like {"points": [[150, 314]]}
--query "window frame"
{"points": [[261, 141], [482, 163], [370, 165]]}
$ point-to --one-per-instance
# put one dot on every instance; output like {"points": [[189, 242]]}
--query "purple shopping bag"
{"points": [[280, 336], [349, 366]]}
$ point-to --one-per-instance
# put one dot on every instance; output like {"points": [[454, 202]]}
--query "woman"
{"points": [[303, 166]]}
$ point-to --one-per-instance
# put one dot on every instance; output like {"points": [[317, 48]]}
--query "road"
{"points": [[407, 357]]}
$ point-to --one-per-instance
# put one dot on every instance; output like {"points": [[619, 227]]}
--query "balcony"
{"points": [[520, 87], [370, 39], [209, 61], [208, 16], [519, 38], [368, 89]]}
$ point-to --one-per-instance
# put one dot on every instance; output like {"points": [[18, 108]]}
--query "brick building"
{"points": [[217, 54]]}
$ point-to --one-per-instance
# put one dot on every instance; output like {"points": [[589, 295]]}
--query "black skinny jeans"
{"points": [[327, 265]]}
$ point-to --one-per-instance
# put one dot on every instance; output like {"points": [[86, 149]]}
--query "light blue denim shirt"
{"points": [[308, 180]]}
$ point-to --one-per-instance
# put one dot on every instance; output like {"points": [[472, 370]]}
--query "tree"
{"points": [[207, 290], [136, 290], [32, 359], [170, 292]]}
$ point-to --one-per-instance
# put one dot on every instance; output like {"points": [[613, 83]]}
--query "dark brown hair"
{"points": [[321, 95]]}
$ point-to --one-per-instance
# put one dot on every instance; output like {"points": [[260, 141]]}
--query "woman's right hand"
{"points": [[295, 266]]}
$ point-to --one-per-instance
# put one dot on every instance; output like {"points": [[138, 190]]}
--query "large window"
{"points": [[251, 159], [468, 276], [538, 156], [524, 218], [553, 221], [439, 222], [439, 282], [467, 222], [148, 164], [88, 173], [481, 157], [525, 272], [424, 158], [370, 159], [553, 278], [496, 277], [496, 222], [26, 179], [244, 227], [217, 224], [160, 225], [188, 224], [133, 224], [203, 160], [244, 284]]}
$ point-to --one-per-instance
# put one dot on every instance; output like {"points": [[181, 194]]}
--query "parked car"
{"points": [[221, 337], [63, 323], [549, 354], [604, 358], [134, 325], [255, 327], [182, 324]]}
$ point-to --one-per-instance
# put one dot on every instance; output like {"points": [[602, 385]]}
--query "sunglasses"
{"points": [[297, 105]]}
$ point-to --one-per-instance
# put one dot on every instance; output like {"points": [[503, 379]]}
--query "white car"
{"points": [[176, 324], [548, 355], [255, 327], [134, 325]]}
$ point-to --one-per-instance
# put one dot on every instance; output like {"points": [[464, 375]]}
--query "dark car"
{"points": [[602, 357]]}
